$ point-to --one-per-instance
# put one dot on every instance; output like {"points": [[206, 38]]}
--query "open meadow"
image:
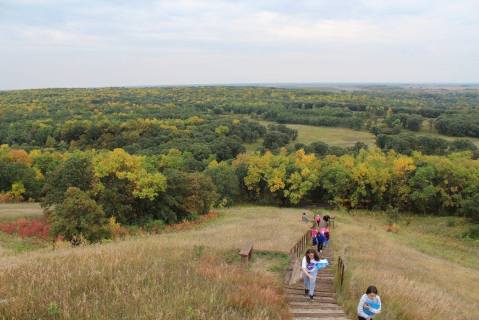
{"points": [[333, 136], [190, 274]]}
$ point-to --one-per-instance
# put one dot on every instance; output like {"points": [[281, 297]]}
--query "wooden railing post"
{"points": [[340, 270]]}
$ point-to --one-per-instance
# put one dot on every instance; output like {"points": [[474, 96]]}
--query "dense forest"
{"points": [[151, 156]]}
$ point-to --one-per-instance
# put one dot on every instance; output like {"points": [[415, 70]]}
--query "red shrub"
{"points": [[35, 228]]}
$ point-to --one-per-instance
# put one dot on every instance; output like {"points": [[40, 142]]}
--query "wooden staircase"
{"points": [[324, 305]]}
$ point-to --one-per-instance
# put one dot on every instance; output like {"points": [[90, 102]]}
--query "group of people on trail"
{"points": [[320, 232], [369, 304]]}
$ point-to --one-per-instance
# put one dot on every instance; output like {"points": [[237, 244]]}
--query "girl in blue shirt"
{"points": [[369, 304]]}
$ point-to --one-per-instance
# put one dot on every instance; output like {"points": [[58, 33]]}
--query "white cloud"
{"points": [[304, 40]]}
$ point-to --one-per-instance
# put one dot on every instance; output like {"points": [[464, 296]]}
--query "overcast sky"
{"points": [[86, 43]]}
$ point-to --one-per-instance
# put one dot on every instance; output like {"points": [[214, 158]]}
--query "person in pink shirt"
{"points": [[314, 232]]}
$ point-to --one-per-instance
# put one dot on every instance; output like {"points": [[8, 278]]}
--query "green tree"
{"points": [[75, 171], [79, 216]]}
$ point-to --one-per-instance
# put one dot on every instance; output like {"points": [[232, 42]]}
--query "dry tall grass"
{"points": [[413, 284], [140, 279], [270, 228], [179, 275]]}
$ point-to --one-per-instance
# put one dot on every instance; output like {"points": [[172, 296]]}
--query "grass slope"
{"points": [[423, 272], [192, 274]]}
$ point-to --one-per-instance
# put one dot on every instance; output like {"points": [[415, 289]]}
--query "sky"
{"points": [[92, 43]]}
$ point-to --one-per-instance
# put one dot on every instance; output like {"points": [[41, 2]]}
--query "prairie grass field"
{"points": [[191, 274], [425, 271], [334, 136], [12, 211], [342, 137]]}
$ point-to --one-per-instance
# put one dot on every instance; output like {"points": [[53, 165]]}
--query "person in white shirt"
{"points": [[308, 267], [370, 304]]}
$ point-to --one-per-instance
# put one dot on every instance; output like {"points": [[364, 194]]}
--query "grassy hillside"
{"points": [[192, 274], [425, 271]]}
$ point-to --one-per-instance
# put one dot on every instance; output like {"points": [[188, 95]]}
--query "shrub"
{"points": [[473, 232], [79, 216], [154, 226], [35, 228]]}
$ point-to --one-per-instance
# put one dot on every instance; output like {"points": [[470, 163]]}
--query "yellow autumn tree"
{"points": [[123, 166]]}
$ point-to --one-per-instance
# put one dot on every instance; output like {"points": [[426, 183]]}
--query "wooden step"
{"points": [[309, 305], [317, 316], [320, 318], [303, 298], [323, 306], [316, 294], [318, 289], [317, 313]]}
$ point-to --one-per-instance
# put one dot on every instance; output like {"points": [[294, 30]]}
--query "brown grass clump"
{"points": [[415, 281]]}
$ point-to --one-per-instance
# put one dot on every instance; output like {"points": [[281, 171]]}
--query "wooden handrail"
{"points": [[300, 247]]}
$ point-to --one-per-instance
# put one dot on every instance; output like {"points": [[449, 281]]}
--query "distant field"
{"points": [[424, 272], [341, 137], [449, 138], [428, 130], [12, 211]]}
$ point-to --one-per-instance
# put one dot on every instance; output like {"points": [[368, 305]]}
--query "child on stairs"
{"points": [[308, 267], [369, 304]]}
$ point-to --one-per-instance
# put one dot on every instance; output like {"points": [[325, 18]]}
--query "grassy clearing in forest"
{"points": [[341, 137], [13, 244], [190, 274], [425, 271], [13, 211]]}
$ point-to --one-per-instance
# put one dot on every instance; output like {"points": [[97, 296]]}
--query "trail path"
{"points": [[324, 304]]}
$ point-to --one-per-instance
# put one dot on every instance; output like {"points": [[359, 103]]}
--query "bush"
{"points": [[154, 226], [473, 232], [79, 216], [35, 228]]}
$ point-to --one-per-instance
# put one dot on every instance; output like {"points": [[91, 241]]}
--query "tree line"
{"points": [[134, 189]]}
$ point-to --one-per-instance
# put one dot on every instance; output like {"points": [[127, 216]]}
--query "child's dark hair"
{"points": [[372, 289], [326, 218], [316, 255]]}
